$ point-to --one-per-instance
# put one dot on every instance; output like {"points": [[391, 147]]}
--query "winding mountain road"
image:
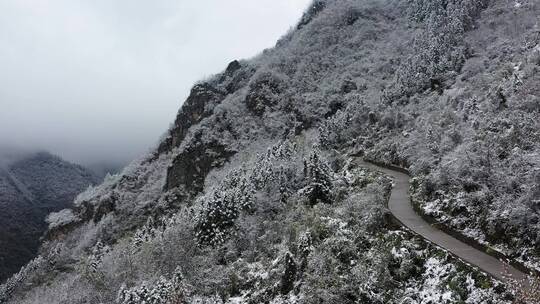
{"points": [[400, 206]]}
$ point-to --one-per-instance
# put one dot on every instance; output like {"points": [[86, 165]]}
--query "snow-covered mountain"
{"points": [[30, 188], [255, 194]]}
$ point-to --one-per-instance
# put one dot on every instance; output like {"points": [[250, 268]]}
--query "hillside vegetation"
{"points": [[254, 195]]}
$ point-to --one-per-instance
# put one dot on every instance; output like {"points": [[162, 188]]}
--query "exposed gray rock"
{"points": [[190, 167], [200, 104]]}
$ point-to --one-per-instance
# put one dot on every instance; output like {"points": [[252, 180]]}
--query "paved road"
{"points": [[402, 209]]}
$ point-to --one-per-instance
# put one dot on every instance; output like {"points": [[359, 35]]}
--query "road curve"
{"points": [[401, 207]]}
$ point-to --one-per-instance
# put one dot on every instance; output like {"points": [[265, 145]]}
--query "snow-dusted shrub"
{"points": [[61, 218], [264, 91], [331, 130]]}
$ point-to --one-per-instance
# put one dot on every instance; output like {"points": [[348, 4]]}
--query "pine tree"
{"points": [[148, 232], [319, 176], [162, 291], [98, 252], [305, 247], [289, 276], [223, 207]]}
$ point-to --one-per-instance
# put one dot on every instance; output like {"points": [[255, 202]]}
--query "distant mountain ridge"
{"points": [[30, 188]]}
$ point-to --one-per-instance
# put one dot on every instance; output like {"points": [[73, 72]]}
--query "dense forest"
{"points": [[256, 193]]}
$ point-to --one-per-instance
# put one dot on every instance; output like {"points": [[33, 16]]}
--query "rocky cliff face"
{"points": [[254, 196], [30, 188]]}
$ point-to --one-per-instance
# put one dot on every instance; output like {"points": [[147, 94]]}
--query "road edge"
{"points": [[450, 231]]}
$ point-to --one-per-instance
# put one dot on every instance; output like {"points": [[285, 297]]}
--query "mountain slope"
{"points": [[30, 188], [253, 196]]}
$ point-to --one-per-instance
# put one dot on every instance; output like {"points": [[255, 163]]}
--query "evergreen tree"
{"points": [[319, 176], [223, 207], [163, 291], [289, 276]]}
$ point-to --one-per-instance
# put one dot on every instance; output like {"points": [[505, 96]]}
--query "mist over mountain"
{"points": [[259, 191], [101, 81], [9, 155], [101, 169]]}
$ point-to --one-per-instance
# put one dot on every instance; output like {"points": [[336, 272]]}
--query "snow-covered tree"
{"points": [[319, 179], [162, 291], [222, 207]]}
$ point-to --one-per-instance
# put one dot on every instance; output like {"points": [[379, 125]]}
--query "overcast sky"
{"points": [[101, 80]]}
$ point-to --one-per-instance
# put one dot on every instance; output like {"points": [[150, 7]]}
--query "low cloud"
{"points": [[100, 81]]}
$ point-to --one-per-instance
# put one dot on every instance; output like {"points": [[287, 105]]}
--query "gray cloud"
{"points": [[102, 80]]}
